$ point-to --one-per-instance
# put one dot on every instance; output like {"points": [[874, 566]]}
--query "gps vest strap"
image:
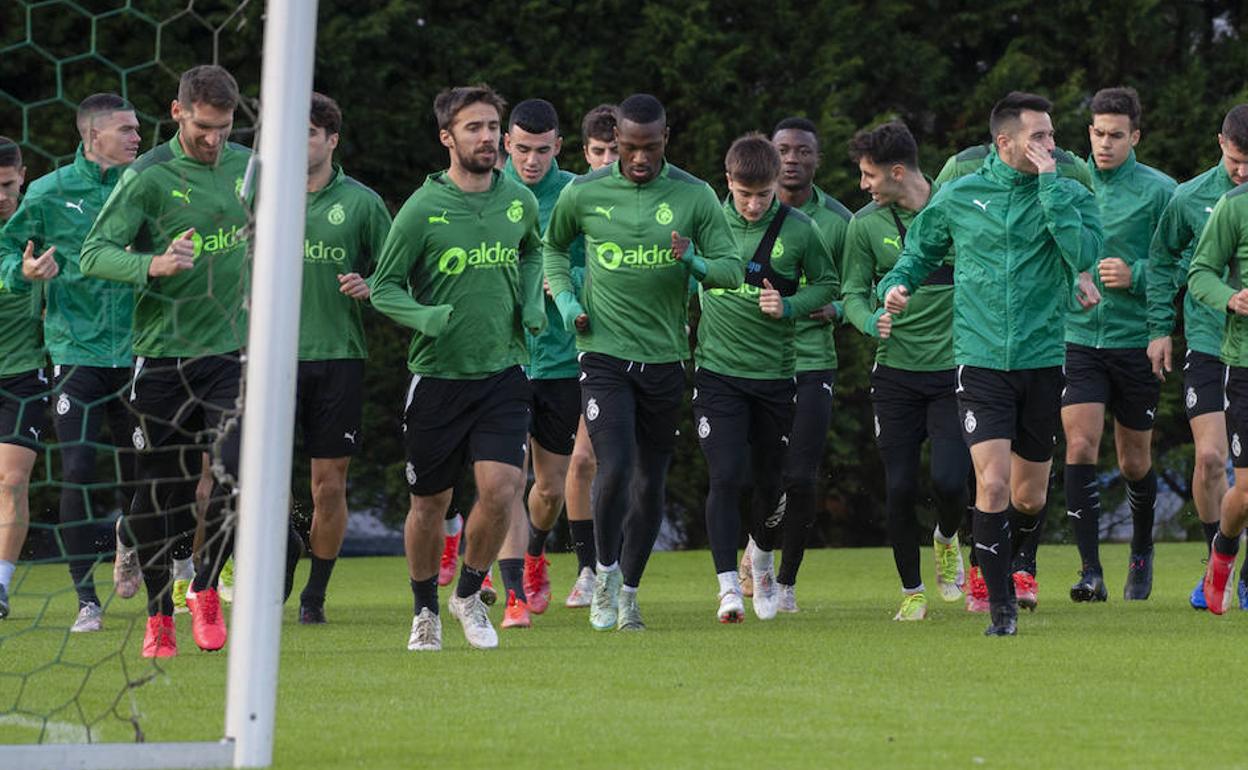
{"points": [[759, 267], [941, 276]]}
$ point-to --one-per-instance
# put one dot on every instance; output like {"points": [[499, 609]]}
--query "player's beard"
{"points": [[476, 162]]}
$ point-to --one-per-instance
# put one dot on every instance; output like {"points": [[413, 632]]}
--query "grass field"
{"points": [[1149, 684]]}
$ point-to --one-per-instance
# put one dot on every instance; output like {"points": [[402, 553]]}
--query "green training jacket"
{"points": [[464, 271], [21, 333], [922, 337], [1021, 239], [636, 292], [816, 340], [1170, 257], [1131, 198], [735, 337], [88, 320], [200, 311], [1217, 269], [344, 231]]}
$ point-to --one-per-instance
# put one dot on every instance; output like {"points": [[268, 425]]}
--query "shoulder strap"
{"points": [[760, 267]]}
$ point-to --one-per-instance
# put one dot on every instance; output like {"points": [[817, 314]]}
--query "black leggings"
{"points": [[807, 443], [950, 462]]}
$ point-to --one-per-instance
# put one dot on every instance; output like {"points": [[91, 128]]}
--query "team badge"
{"points": [[337, 215], [62, 404], [664, 215], [1235, 448], [704, 427], [515, 212], [1191, 398], [970, 423], [777, 251], [591, 410], [877, 426], [411, 474], [138, 439]]}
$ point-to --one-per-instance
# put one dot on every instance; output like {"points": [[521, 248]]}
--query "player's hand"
{"points": [[354, 286], [827, 314], [680, 246], [896, 300], [769, 301], [178, 257], [1115, 273], [582, 323], [1159, 353], [1042, 158], [43, 268], [1086, 292], [884, 325], [1239, 303], [546, 288]]}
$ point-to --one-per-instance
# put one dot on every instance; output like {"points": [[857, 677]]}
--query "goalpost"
{"points": [[268, 424]]}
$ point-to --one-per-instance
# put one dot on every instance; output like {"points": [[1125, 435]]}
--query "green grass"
{"points": [[1148, 684]]}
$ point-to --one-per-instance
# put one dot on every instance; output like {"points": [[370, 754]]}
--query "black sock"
{"points": [[314, 592], [537, 542], [992, 542], [512, 571], [1210, 529], [1227, 546], [797, 524], [425, 594], [1142, 497], [1025, 533], [583, 542], [1083, 506], [470, 581]]}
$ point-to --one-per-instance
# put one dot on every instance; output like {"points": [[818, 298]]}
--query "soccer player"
{"points": [[1107, 363], [638, 218], [174, 227], [1221, 256], [1203, 372], [912, 379], [1011, 292], [23, 384], [461, 267], [345, 228], [87, 326], [745, 384]]}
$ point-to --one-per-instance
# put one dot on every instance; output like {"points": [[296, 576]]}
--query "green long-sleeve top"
{"points": [[1021, 239], [463, 270], [922, 337], [816, 341], [21, 332], [88, 321], [344, 231], [552, 354], [1131, 199], [1218, 266], [969, 160], [735, 337], [636, 291], [161, 195], [1170, 256]]}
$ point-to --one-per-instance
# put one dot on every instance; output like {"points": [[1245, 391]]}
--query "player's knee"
{"points": [[1080, 449], [582, 467], [992, 495], [1029, 501], [1210, 461], [1134, 466], [328, 490]]}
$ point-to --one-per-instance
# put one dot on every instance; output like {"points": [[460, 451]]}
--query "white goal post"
{"points": [[268, 428]]}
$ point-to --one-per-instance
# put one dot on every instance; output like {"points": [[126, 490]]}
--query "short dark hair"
{"points": [[1008, 109], [208, 84], [796, 124], [1235, 127], [753, 159], [1117, 101], [326, 114], [10, 153], [96, 105], [448, 103], [641, 109], [599, 123], [886, 145], [537, 116]]}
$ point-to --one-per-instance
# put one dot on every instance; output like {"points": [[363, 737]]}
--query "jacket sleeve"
{"points": [[105, 251], [561, 231], [1214, 252], [1073, 219], [717, 247], [26, 224], [1165, 253], [378, 227], [859, 270], [391, 295], [532, 298], [928, 242], [823, 281]]}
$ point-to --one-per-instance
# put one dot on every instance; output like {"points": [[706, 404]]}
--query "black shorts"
{"points": [[329, 406], [743, 425], [811, 419], [84, 398], [1204, 382], [1023, 406], [643, 398], [187, 404], [24, 409], [1237, 414], [556, 412], [450, 423], [911, 407], [1122, 379]]}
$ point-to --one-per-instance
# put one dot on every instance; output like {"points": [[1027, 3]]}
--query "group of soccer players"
{"points": [[1021, 289]]}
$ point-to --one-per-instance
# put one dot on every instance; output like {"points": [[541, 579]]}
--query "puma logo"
{"points": [[992, 549], [350, 436], [827, 386], [440, 219], [1208, 209], [34, 432], [606, 212], [894, 242], [75, 206], [185, 197], [1076, 514], [983, 205]]}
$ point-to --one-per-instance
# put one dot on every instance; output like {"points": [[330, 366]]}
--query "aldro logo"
{"points": [[664, 215], [221, 240], [337, 214], [456, 260], [515, 212], [320, 251], [612, 256]]}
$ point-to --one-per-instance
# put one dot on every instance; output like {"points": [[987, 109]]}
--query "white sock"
{"points": [[763, 561], [729, 581], [452, 526], [909, 591], [628, 589], [6, 573], [612, 567], [940, 538], [183, 569]]}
